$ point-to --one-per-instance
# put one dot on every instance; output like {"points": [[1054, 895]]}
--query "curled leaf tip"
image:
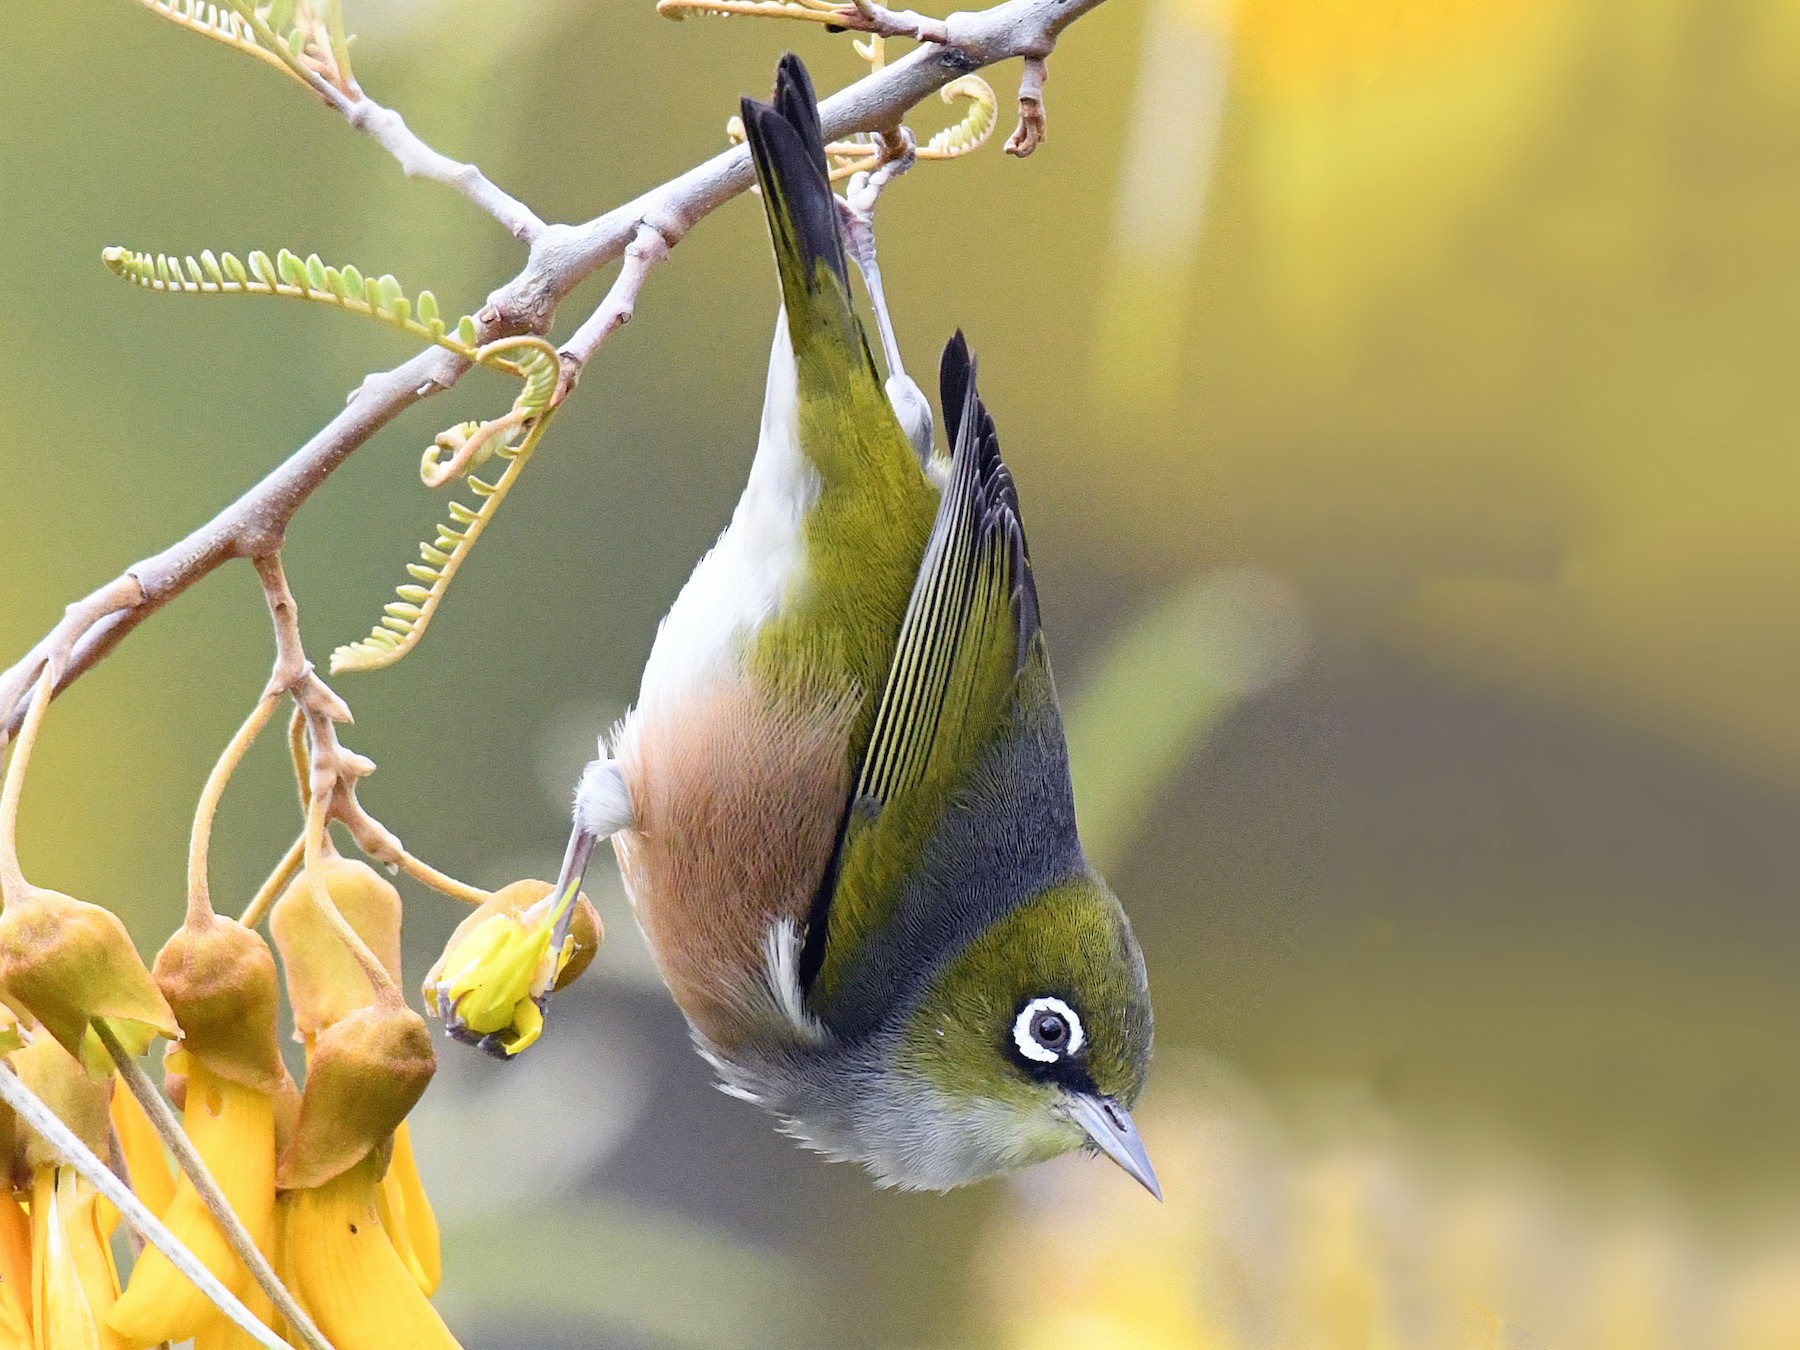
{"points": [[458, 452]]}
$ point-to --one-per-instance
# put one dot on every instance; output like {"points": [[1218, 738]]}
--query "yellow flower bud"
{"points": [[65, 962], [74, 1281], [338, 1260], [367, 1071], [498, 971], [219, 979], [233, 1130], [324, 982]]}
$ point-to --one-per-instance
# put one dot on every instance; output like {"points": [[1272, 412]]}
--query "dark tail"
{"points": [[789, 151]]}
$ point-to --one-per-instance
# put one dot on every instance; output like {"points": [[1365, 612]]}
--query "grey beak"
{"points": [[1109, 1125], [574, 869]]}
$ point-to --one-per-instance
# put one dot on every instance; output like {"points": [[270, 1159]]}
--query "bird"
{"points": [[841, 804]]}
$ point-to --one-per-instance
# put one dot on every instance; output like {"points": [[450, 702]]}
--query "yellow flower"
{"points": [[219, 978], [233, 1130], [498, 970], [145, 1160], [74, 1281], [407, 1215], [342, 1267], [15, 1274]]}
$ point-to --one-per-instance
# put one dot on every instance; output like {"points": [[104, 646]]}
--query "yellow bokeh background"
{"points": [[1399, 394]]}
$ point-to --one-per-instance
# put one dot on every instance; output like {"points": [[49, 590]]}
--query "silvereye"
{"points": [[842, 805]]}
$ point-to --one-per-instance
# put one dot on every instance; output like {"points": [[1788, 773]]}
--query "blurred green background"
{"points": [[1400, 394]]}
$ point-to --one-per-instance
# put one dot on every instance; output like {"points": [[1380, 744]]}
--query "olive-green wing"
{"points": [[871, 513], [968, 631]]}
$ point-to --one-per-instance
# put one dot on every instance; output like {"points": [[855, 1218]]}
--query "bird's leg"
{"points": [[856, 209], [602, 809]]}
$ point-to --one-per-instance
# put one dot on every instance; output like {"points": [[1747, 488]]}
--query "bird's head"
{"points": [[1034, 1040]]}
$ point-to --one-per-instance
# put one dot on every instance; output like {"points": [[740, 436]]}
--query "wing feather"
{"points": [[968, 629]]}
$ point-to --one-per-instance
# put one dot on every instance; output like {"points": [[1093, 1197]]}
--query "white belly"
{"points": [[756, 564]]}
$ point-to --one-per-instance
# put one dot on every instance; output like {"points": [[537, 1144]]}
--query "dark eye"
{"points": [[1046, 1029]]}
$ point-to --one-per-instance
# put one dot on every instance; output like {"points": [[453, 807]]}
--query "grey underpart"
{"points": [[846, 1101]]}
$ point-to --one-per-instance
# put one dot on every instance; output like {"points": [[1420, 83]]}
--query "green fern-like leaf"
{"points": [[221, 24], [310, 279], [511, 439], [304, 39]]}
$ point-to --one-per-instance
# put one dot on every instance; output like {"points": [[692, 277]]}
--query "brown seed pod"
{"points": [[65, 962], [324, 981], [368, 1070], [219, 977]]}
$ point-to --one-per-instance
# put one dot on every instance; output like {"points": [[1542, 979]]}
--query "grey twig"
{"points": [[388, 129], [642, 255], [870, 17], [561, 257]]}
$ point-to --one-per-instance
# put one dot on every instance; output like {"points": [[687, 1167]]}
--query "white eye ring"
{"points": [[1034, 1049]]}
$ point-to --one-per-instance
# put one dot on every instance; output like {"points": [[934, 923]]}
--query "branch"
{"points": [[329, 772], [388, 129], [858, 16], [645, 251], [334, 770], [884, 22], [561, 257], [321, 62]]}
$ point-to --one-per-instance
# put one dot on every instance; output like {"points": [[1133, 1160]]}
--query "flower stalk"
{"points": [[12, 787], [200, 839]]}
